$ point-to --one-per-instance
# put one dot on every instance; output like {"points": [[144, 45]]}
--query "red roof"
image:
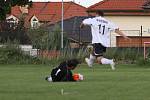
{"points": [[119, 5], [51, 11]]}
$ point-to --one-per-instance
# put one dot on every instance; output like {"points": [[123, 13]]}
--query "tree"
{"points": [[14, 32], [43, 38], [38, 37], [5, 6]]}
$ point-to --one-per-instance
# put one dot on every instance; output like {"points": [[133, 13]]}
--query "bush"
{"points": [[141, 61], [12, 54], [125, 55], [78, 53]]}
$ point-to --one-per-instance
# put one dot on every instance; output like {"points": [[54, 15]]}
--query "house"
{"points": [[132, 16], [44, 12]]}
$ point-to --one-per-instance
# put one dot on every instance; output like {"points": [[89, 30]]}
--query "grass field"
{"points": [[26, 82]]}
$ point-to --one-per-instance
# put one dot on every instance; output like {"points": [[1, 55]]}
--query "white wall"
{"points": [[130, 23], [27, 49]]}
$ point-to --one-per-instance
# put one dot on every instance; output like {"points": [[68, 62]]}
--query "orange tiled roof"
{"points": [[119, 5], [51, 11]]}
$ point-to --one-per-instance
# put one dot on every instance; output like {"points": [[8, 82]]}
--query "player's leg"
{"points": [[103, 60], [99, 50], [90, 60]]}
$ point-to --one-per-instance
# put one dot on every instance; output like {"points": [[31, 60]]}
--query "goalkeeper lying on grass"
{"points": [[63, 72]]}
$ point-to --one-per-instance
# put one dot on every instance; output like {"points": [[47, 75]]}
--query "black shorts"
{"points": [[98, 49]]}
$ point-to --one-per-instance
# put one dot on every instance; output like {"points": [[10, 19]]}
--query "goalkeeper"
{"points": [[63, 72]]}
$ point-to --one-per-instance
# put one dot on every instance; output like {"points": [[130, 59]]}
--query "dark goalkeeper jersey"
{"points": [[62, 73]]}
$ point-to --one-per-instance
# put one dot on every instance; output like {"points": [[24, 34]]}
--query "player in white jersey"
{"points": [[100, 30]]}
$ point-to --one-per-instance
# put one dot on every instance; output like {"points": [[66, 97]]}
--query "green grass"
{"points": [[26, 82]]}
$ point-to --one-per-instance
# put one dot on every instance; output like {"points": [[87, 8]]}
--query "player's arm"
{"points": [[86, 22], [122, 34], [82, 25]]}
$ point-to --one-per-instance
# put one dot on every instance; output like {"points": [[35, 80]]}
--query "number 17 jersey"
{"points": [[100, 28]]}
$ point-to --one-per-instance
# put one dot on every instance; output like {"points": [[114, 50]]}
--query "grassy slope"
{"points": [[26, 82]]}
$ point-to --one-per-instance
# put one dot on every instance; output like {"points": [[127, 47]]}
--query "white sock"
{"points": [[106, 61], [92, 58]]}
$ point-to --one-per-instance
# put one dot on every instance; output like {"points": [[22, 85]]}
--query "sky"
{"points": [[85, 3]]}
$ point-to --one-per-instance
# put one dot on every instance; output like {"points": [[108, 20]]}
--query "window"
{"points": [[34, 23], [12, 23]]}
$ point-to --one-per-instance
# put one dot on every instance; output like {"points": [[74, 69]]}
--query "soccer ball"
{"points": [[77, 77], [89, 48]]}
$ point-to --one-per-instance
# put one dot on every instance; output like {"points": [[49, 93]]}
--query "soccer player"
{"points": [[63, 72], [100, 30]]}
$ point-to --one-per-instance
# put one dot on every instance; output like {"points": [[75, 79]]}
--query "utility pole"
{"points": [[62, 24]]}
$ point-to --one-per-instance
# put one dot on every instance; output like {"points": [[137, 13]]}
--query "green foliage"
{"points": [[142, 62], [14, 32], [6, 53], [5, 6], [20, 2], [126, 55], [38, 37], [45, 39], [54, 39], [69, 53], [12, 54]]}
